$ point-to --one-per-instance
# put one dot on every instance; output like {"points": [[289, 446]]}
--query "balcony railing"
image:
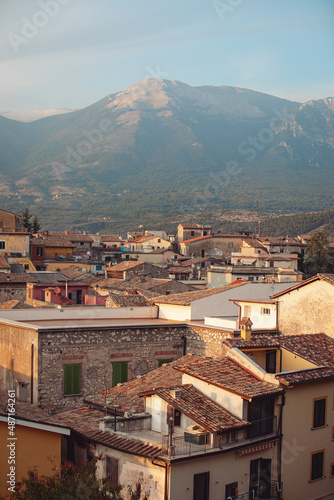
{"points": [[262, 427], [272, 491], [181, 446]]}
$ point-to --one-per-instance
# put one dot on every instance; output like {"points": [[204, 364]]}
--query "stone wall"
{"points": [[96, 350], [12, 291], [205, 341]]}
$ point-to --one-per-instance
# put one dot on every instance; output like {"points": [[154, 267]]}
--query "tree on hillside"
{"points": [[320, 257], [35, 225], [71, 482], [26, 219], [32, 227]]}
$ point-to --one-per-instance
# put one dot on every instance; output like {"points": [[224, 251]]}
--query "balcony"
{"points": [[181, 446], [270, 492], [262, 427]]}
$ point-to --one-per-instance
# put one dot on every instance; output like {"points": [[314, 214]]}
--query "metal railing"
{"points": [[262, 427], [179, 446], [270, 492]]}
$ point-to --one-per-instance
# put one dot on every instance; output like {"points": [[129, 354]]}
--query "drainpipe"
{"points": [[280, 424]]}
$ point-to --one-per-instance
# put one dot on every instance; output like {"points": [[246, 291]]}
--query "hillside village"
{"points": [[200, 363]]}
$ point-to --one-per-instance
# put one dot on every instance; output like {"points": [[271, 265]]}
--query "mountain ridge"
{"points": [[147, 150]]}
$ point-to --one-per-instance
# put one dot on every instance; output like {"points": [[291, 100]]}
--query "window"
{"points": [[319, 413], [174, 414], [119, 372], [261, 414], [265, 310], [230, 244], [192, 233], [39, 251], [231, 490], [112, 470], [164, 361], [317, 465], [271, 361], [72, 380], [2, 245], [331, 470], [201, 486]]}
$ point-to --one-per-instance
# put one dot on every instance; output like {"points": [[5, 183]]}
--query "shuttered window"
{"points": [[319, 413], [112, 470], [119, 372], [72, 380]]}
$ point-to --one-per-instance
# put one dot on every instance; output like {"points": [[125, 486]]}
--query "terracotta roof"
{"points": [[305, 376], [127, 394], [17, 278], [196, 239], [74, 271], [28, 411], [228, 375], [15, 304], [203, 410], [110, 237], [195, 260], [124, 266], [57, 241], [185, 299], [3, 263], [47, 276], [317, 348], [180, 270], [85, 421], [254, 243], [329, 278], [128, 300]]}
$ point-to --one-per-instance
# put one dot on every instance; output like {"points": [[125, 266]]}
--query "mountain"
{"points": [[163, 150]]}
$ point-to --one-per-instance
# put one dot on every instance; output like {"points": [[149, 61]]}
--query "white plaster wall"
{"points": [[84, 312], [258, 319], [220, 304], [232, 402], [177, 313]]}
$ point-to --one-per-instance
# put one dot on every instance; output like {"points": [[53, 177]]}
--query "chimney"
{"points": [[176, 393], [246, 328]]}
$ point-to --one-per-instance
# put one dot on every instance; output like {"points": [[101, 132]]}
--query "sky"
{"points": [[72, 53]]}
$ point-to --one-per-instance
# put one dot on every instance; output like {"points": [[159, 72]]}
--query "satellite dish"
{"points": [[83, 269], [10, 261], [57, 290], [24, 254], [88, 253]]}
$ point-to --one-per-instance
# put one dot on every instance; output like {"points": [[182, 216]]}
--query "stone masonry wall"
{"points": [[205, 341], [95, 351]]}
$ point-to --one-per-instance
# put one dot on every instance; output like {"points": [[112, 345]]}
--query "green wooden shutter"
{"points": [[119, 372], [72, 380]]}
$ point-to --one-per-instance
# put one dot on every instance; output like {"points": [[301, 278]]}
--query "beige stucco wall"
{"points": [[309, 309], [132, 468], [224, 469], [15, 242], [15, 344], [299, 441]]}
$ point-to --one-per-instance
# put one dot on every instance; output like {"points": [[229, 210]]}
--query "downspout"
{"points": [[280, 424], [166, 467], [238, 305]]}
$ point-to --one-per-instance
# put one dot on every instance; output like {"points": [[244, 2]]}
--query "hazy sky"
{"points": [[71, 53]]}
